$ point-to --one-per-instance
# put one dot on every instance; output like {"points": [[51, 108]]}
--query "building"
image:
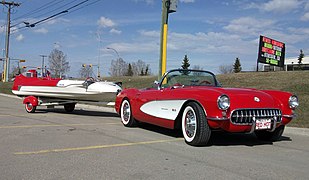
{"points": [[290, 64]]}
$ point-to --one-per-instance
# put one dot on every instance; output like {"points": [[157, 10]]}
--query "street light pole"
{"points": [[118, 68], [43, 70], [114, 51]]}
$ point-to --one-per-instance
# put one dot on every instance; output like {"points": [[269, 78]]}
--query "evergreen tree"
{"points": [[185, 63], [147, 70], [130, 71], [300, 59], [237, 66], [142, 72]]}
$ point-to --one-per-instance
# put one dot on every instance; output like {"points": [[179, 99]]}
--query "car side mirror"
{"points": [[156, 84]]}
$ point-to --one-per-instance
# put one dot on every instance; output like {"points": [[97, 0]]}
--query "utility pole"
{"points": [[7, 41], [43, 66], [168, 6]]}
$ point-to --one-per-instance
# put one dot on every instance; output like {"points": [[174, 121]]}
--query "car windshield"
{"points": [[188, 78]]}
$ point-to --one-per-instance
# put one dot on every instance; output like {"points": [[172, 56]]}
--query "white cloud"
{"points": [[248, 25], [155, 34], [187, 1], [41, 30], [135, 47], [307, 6], [20, 37], [147, 1], [276, 6], [115, 31], [305, 17], [300, 31], [105, 22]]}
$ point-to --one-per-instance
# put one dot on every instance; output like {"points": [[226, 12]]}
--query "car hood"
{"points": [[249, 98], [242, 97]]}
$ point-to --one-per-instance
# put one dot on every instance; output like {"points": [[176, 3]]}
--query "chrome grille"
{"points": [[246, 116]]}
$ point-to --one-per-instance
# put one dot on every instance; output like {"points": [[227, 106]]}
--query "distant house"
{"points": [[290, 64]]}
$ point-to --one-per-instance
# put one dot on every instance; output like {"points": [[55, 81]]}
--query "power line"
{"points": [[7, 60], [39, 9], [83, 4], [45, 6]]}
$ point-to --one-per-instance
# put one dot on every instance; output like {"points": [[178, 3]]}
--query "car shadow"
{"points": [[217, 138], [79, 112]]}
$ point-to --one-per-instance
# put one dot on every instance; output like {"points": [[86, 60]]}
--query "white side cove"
{"points": [[67, 82], [73, 90], [167, 109]]}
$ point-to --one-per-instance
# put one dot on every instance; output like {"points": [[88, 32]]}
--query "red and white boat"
{"points": [[55, 91]]}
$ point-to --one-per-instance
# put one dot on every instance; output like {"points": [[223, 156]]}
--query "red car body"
{"points": [[30, 78], [189, 100]]}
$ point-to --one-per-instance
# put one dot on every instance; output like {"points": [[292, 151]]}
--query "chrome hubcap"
{"points": [[126, 112], [190, 123], [29, 106]]}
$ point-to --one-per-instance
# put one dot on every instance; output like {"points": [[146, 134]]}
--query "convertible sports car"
{"points": [[194, 101]]}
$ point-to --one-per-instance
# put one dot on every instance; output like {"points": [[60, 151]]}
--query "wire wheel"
{"points": [[194, 124], [126, 114]]}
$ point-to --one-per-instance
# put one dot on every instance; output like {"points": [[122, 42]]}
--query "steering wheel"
{"points": [[176, 85], [205, 82], [90, 79]]}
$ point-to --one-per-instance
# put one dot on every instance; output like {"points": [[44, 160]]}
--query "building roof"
{"points": [[294, 60]]}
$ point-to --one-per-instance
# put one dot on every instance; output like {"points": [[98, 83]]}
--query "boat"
{"points": [[56, 91]]}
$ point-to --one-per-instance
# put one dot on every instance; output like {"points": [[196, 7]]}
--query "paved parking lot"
{"points": [[91, 143]]}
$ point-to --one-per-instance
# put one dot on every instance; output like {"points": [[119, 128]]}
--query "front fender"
{"points": [[31, 99]]}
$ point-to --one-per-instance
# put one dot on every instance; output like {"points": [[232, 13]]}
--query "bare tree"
{"points": [[226, 69], [58, 64], [197, 67], [137, 67], [85, 71], [16, 71], [118, 67]]}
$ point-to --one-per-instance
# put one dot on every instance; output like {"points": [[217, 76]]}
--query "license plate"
{"points": [[262, 124]]}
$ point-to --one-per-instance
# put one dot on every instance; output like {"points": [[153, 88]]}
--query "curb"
{"points": [[10, 96], [296, 131]]}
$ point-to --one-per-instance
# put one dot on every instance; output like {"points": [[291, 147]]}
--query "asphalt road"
{"points": [[91, 143]]}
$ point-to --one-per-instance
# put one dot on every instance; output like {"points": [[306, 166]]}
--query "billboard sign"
{"points": [[271, 52]]}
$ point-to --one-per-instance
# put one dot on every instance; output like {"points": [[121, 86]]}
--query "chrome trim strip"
{"points": [[289, 116], [218, 119], [274, 124], [253, 125]]}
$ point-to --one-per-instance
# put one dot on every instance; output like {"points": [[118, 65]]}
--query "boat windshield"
{"points": [[188, 78]]}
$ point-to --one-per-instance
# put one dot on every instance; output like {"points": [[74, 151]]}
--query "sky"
{"points": [[211, 33]]}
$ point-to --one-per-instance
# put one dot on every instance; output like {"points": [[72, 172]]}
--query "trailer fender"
{"points": [[32, 100]]}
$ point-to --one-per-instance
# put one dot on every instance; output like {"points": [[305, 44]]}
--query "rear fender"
{"points": [[31, 99]]}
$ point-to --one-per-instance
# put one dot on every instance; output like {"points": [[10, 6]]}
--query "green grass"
{"points": [[6, 88], [296, 82]]}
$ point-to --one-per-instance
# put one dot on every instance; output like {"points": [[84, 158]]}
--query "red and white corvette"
{"points": [[194, 101]]}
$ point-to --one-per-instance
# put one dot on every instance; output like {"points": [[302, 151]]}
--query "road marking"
{"points": [[53, 125], [96, 147]]}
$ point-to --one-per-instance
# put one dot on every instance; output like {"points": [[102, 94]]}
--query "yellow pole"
{"points": [[164, 49], [4, 72]]}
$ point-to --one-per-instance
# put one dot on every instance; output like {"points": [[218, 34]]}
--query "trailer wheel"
{"points": [[69, 107], [30, 108]]}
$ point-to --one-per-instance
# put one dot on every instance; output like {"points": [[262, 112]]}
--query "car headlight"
{"points": [[293, 102], [223, 102]]}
